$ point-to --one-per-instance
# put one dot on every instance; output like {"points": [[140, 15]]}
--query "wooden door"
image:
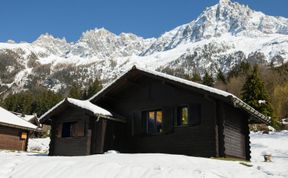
{"points": [[98, 128]]}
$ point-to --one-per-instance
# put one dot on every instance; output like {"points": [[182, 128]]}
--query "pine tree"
{"points": [[196, 77], [221, 77], [93, 88], [75, 91], [240, 69], [30, 102], [208, 80], [255, 94]]}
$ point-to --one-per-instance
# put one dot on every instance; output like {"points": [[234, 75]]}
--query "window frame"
{"points": [[146, 113], [179, 115], [190, 123], [73, 132], [62, 129], [23, 135]]}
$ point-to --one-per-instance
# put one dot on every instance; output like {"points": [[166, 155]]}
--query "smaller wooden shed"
{"points": [[14, 131], [80, 128]]}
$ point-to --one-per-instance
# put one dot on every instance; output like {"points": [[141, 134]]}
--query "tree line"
{"points": [[40, 100], [263, 87]]}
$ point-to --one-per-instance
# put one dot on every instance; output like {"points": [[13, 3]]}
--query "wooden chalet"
{"points": [[152, 112], [14, 131]]}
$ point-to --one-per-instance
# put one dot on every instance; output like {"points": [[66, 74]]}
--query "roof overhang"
{"points": [[205, 90], [85, 105], [20, 127], [256, 117], [9, 119]]}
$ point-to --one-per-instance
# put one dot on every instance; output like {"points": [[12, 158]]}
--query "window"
{"points": [[73, 129], [66, 129], [23, 136], [154, 122], [189, 115], [182, 116]]}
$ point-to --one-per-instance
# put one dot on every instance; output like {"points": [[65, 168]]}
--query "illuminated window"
{"points": [[189, 115], [183, 118], [159, 121], [24, 135], [154, 122]]}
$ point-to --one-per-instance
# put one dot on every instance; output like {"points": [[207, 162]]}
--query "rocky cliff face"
{"points": [[222, 36]]}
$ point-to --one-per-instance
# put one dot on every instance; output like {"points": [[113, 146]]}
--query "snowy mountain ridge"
{"points": [[222, 36]]}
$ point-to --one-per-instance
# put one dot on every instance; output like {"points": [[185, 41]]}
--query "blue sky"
{"points": [[25, 20]]}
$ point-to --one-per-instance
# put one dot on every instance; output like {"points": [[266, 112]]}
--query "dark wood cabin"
{"points": [[81, 128], [14, 132], [166, 114]]}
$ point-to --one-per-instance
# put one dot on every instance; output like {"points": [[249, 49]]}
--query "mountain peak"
{"points": [[48, 38], [45, 36], [101, 30], [224, 1], [95, 34], [227, 18]]}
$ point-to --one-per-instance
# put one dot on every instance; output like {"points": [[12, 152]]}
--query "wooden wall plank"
{"points": [[10, 139]]}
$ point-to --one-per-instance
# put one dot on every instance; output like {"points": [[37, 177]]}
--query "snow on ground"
{"points": [[276, 144], [40, 145], [20, 164]]}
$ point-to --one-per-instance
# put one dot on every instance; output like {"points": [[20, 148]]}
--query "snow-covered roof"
{"points": [[9, 119], [236, 101], [28, 117], [25, 117], [84, 104], [170, 77]]}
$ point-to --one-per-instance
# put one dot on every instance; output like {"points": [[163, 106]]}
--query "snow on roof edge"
{"points": [[50, 110], [167, 76], [84, 104], [192, 84], [18, 126], [11, 120], [26, 117]]}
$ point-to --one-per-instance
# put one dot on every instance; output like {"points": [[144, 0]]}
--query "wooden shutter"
{"points": [[77, 129], [143, 122], [195, 111], [168, 119], [137, 123], [58, 130]]}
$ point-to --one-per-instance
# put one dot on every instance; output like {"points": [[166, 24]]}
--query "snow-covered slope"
{"points": [[222, 19], [222, 36], [32, 165]]}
